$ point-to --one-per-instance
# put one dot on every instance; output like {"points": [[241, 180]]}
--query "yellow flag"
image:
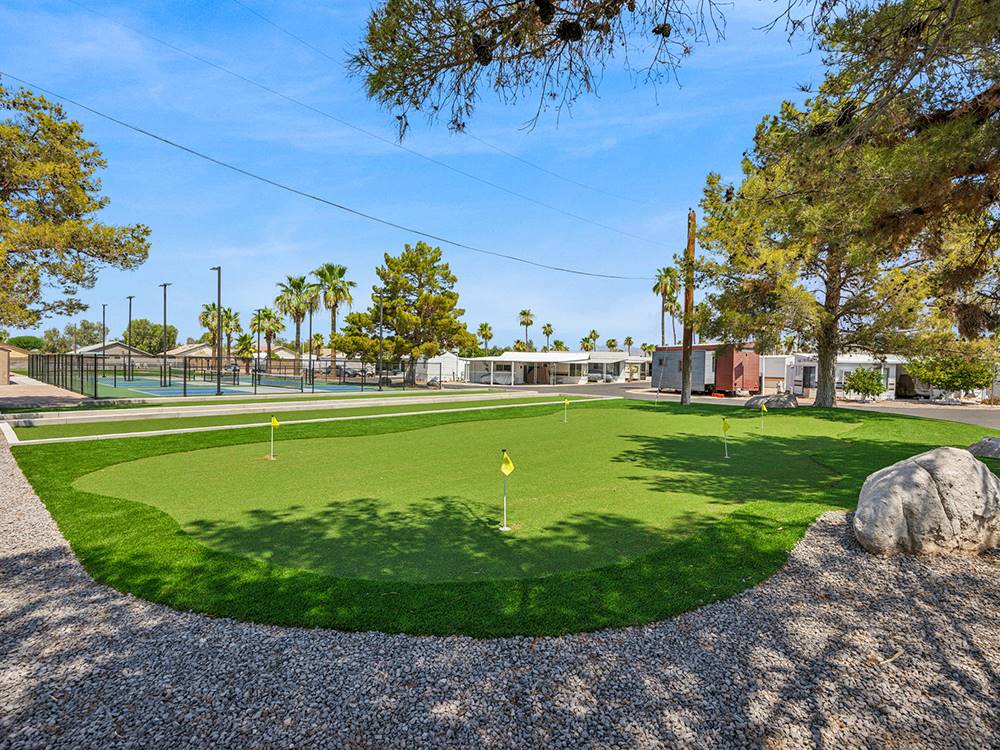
{"points": [[725, 425], [566, 402], [763, 407], [274, 422], [507, 466]]}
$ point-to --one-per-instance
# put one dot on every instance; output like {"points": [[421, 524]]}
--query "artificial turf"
{"points": [[259, 416], [146, 402], [626, 514]]}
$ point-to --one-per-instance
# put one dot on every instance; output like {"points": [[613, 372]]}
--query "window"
{"points": [[576, 370], [502, 367]]}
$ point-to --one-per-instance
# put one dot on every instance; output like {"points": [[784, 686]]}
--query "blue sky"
{"points": [[654, 144]]}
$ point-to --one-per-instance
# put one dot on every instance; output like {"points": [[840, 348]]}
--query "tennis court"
{"points": [[152, 384]]}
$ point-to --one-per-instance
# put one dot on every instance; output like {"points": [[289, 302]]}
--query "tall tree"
{"points": [[230, 327], [587, 344], [668, 284], [628, 344], [148, 336], [559, 346], [526, 318], [246, 348], [547, 331], [268, 324], [420, 310], [593, 336], [335, 291], [50, 237], [485, 333], [296, 297], [612, 345], [208, 319]]}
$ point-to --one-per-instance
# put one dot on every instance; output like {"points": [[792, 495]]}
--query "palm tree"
{"points": [[587, 344], [485, 332], [316, 344], [526, 318], [268, 324], [230, 327], [245, 347], [612, 345], [628, 344], [593, 336], [666, 287], [547, 330], [208, 319], [336, 291], [559, 346], [296, 297]]}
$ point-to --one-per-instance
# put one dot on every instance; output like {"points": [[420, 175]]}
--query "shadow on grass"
{"points": [[778, 485]]}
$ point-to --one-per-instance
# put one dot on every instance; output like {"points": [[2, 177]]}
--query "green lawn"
{"points": [[626, 514], [152, 401], [258, 416]]}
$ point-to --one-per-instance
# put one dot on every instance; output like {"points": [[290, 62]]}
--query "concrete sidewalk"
{"points": [[27, 391]]}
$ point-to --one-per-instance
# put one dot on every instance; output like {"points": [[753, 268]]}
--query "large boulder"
{"points": [[940, 502], [988, 447], [773, 401]]}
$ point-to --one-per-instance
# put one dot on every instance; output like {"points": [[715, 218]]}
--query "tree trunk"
{"points": [[663, 321], [333, 346], [298, 346], [526, 337], [826, 375], [828, 336]]}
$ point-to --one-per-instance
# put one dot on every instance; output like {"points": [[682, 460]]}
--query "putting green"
{"points": [[424, 505], [627, 514]]}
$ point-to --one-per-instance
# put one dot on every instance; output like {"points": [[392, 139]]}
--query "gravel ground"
{"points": [[837, 650]]}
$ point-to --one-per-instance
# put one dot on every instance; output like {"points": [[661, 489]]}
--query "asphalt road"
{"points": [[985, 416]]}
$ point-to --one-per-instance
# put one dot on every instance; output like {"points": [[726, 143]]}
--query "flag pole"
{"points": [[504, 527], [565, 410], [272, 439], [725, 443]]}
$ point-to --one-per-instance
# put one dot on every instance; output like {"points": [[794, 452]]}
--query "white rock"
{"points": [[939, 502], [988, 447]]}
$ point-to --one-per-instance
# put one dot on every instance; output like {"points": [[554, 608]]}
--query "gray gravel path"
{"points": [[837, 650]]}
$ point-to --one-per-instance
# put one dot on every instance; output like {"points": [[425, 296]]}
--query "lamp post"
{"points": [[166, 372], [310, 356], [128, 343], [379, 373], [256, 359], [218, 330], [104, 336]]}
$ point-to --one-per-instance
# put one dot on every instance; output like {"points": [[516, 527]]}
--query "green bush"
{"points": [[867, 383], [26, 342]]}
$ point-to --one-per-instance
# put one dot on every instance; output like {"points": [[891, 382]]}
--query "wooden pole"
{"points": [[688, 311]]}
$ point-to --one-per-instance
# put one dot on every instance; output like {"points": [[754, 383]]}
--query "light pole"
{"points": [[379, 373], [310, 357], [104, 336], [256, 359], [166, 372], [128, 344], [218, 331]]}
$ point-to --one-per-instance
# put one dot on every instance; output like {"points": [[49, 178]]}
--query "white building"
{"points": [[798, 372], [448, 366], [532, 368], [556, 368]]}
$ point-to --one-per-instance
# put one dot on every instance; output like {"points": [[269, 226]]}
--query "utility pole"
{"points": [[218, 331], [688, 311]]}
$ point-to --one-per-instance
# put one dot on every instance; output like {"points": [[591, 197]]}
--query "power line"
{"points": [[476, 138], [312, 196], [370, 134], [286, 32]]}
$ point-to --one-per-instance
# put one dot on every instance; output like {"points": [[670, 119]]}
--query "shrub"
{"points": [[867, 383]]}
